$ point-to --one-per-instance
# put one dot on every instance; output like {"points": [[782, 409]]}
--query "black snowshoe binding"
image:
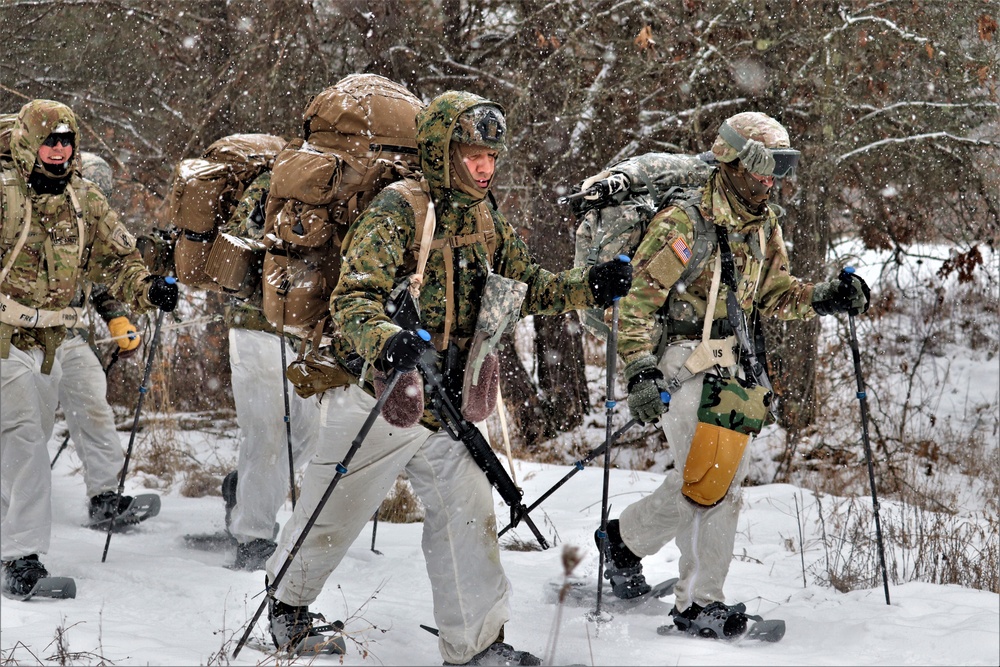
{"points": [[253, 555], [128, 512], [292, 630], [499, 653], [229, 495], [716, 621], [621, 567], [21, 575]]}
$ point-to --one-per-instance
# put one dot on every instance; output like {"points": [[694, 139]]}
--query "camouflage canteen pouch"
{"points": [[730, 413], [500, 310]]}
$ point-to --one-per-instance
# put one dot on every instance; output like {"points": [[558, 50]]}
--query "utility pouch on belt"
{"points": [[314, 372], [729, 414], [501, 306]]}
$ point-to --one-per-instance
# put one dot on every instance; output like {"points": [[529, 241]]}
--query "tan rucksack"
{"points": [[205, 192], [360, 136]]}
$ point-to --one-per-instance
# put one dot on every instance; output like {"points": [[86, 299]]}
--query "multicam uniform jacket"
{"points": [[762, 275], [52, 264], [380, 254]]}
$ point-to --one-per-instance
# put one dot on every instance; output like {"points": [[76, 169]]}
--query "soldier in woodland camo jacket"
{"points": [[683, 369], [56, 233], [459, 137]]}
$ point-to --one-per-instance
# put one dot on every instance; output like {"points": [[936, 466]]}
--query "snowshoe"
{"points": [[253, 555], [128, 512], [716, 621], [621, 567], [229, 494], [499, 653], [292, 630], [25, 578]]}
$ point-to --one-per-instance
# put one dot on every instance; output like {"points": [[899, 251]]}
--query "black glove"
{"points": [[848, 294], [162, 292], [402, 351], [648, 397], [610, 280]]}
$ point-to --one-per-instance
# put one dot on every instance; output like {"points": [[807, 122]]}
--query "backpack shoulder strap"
{"points": [[705, 240], [415, 193], [16, 219]]}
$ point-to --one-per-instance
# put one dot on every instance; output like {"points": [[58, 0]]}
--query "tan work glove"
{"points": [[125, 334]]}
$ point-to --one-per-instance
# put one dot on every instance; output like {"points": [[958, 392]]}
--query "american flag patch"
{"points": [[682, 250]]}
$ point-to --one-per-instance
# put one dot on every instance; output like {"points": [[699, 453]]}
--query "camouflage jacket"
{"points": [[380, 254], [55, 261], [247, 222], [762, 275]]}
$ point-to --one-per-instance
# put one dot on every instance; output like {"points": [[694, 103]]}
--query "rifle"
{"points": [[404, 311]]}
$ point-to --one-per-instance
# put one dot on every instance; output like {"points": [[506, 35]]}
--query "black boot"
{"points": [[253, 555], [292, 630], [21, 575], [621, 567], [717, 620], [104, 509]]}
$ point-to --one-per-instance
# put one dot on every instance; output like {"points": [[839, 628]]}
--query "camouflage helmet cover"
{"points": [[94, 168], [482, 125], [35, 122], [751, 125], [439, 124]]}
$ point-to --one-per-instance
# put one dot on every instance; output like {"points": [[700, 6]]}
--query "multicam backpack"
{"points": [[205, 192], [360, 136]]}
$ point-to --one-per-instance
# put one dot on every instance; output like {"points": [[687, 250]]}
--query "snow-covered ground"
{"points": [[157, 602]]}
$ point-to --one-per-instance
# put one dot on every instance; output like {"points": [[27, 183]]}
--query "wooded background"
{"points": [[894, 105]]}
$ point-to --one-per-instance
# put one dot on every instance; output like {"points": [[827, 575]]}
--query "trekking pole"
{"points": [[341, 468], [609, 407], [60, 450], [845, 278], [577, 467], [135, 421], [288, 420], [375, 528]]}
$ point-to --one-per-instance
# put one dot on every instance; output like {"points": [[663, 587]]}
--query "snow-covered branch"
{"points": [[917, 137]]}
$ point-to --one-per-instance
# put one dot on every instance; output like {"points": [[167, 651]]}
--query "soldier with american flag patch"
{"points": [[683, 366]]}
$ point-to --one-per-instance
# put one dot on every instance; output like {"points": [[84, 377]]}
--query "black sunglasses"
{"points": [[64, 138]]}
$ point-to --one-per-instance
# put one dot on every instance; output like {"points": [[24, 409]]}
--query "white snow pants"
{"points": [[258, 391], [27, 413], [83, 395], [705, 535], [470, 590]]}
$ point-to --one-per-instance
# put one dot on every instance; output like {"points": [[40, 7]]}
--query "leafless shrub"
{"points": [[920, 545], [402, 504]]}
